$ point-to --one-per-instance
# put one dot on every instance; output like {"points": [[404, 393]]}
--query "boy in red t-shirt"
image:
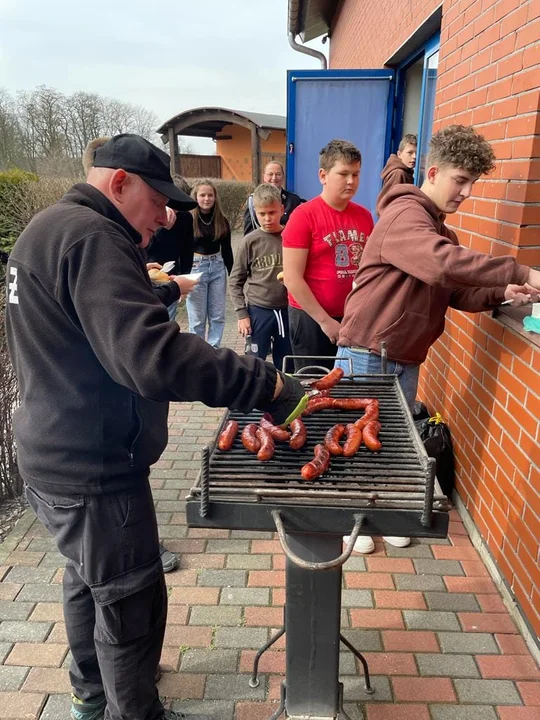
{"points": [[322, 248]]}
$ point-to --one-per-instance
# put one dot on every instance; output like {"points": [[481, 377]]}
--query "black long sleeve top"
{"points": [[208, 244]]}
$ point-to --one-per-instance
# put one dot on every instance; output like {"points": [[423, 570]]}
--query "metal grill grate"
{"points": [[400, 476]]}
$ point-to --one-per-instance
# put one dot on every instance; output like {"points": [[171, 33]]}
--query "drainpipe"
{"points": [[308, 51]]}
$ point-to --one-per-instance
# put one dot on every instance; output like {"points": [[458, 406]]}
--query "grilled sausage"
{"points": [[353, 441], [226, 438], [318, 465], [249, 438], [268, 448], [351, 403], [328, 381], [332, 438], [371, 413], [276, 432], [370, 435], [299, 434], [318, 403]]}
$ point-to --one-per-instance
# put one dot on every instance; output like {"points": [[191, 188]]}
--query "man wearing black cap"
{"points": [[97, 362]]}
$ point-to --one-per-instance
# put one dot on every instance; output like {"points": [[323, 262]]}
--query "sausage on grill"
{"points": [[329, 380], [276, 432], [371, 413], [268, 448], [299, 434], [318, 465], [351, 403], [249, 438], [318, 403], [332, 438], [370, 435], [353, 441], [226, 438]]}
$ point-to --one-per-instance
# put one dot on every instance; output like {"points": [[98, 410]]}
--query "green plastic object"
{"points": [[531, 323]]}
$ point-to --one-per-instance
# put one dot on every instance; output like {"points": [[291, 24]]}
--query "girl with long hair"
{"points": [[214, 259]]}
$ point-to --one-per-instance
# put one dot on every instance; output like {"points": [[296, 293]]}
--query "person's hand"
{"points": [[153, 266], [521, 294], [534, 279], [330, 328], [244, 327], [185, 284], [289, 400]]}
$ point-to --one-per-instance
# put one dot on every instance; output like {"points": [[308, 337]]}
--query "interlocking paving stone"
{"points": [[36, 654], [452, 601], [22, 574], [215, 545], [353, 689], [5, 648], [249, 535], [438, 567], [15, 610], [457, 666], [42, 544], [364, 640], [419, 582], [413, 551], [53, 560], [222, 578], [228, 687], [474, 643], [20, 631], [355, 564], [21, 705], [172, 531], [245, 596], [430, 620], [40, 593], [218, 709], [456, 712], [11, 678], [499, 692], [208, 615], [249, 562], [240, 637], [210, 661], [356, 599], [57, 708]]}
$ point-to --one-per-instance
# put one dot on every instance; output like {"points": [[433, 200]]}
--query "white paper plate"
{"points": [[192, 276], [168, 266]]}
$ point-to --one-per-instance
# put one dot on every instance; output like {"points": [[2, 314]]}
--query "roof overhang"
{"points": [[311, 18], [210, 121]]}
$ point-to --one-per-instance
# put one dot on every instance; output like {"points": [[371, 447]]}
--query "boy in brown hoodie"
{"points": [[399, 168], [413, 267]]}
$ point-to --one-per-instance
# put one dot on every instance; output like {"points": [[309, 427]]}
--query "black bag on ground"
{"points": [[437, 440]]}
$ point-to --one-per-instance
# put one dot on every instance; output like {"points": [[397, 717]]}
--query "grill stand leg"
{"points": [[368, 688], [254, 680]]}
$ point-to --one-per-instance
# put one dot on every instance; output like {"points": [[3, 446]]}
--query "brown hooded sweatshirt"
{"points": [[412, 269], [395, 172]]}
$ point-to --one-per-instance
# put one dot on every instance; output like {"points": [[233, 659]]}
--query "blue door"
{"points": [[355, 105]]}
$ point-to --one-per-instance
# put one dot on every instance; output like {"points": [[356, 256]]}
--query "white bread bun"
{"points": [[158, 276]]}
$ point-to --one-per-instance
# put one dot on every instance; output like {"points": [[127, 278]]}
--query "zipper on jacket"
{"points": [[131, 449]]}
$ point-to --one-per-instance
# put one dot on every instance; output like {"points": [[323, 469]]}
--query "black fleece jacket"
{"points": [[96, 357]]}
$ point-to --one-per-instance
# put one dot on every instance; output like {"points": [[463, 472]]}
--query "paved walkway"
{"points": [[439, 640]]}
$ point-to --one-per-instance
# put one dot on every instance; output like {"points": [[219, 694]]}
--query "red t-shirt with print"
{"points": [[335, 240]]}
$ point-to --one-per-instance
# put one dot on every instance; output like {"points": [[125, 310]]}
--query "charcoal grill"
{"points": [[393, 492]]}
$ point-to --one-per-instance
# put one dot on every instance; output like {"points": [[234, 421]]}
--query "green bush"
{"points": [[14, 184], [233, 197], [20, 201]]}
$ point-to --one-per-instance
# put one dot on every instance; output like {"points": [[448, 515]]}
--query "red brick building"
{"points": [[472, 62]]}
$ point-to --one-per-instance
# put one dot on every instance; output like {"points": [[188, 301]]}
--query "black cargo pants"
{"points": [[115, 601]]}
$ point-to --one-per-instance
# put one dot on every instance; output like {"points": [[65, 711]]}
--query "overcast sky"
{"points": [[229, 53]]}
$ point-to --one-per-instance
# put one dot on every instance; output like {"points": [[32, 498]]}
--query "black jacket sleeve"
{"points": [[185, 257], [248, 222], [104, 278], [167, 293], [226, 250]]}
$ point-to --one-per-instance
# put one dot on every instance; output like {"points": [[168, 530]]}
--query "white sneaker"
{"points": [[400, 542], [364, 544]]}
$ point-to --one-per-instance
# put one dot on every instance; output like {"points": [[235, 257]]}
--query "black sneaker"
{"points": [[168, 559]]}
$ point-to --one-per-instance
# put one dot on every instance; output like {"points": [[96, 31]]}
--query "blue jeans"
{"points": [[172, 308], [367, 362], [206, 302]]}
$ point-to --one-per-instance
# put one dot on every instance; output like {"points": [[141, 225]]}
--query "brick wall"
{"points": [[482, 376]]}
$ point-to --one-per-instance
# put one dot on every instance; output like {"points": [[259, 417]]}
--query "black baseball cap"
{"points": [[134, 154]]}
